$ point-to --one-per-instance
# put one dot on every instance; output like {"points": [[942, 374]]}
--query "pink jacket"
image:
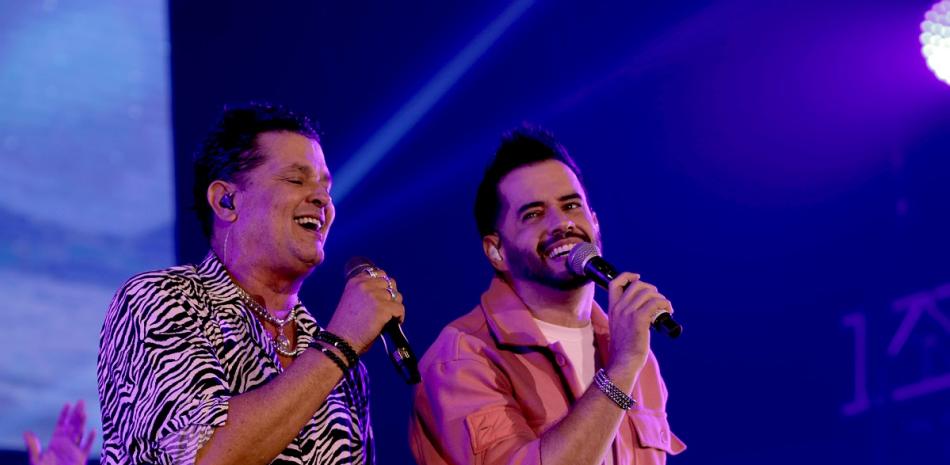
{"points": [[491, 386]]}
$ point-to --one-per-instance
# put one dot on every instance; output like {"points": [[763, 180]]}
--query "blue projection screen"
{"points": [[86, 190]]}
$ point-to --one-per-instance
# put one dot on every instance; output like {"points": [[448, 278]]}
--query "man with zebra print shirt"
{"points": [[220, 362]]}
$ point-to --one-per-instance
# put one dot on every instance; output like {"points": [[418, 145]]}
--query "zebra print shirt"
{"points": [[177, 344]]}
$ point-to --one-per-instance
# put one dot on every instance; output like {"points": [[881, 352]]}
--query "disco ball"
{"points": [[935, 38]]}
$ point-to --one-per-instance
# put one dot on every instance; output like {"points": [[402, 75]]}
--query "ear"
{"points": [[595, 222], [491, 245], [216, 191]]}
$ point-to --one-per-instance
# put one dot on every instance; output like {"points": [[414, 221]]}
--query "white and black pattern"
{"points": [[177, 344]]}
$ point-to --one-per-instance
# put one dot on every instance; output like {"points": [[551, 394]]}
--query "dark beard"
{"points": [[528, 265], [574, 282]]}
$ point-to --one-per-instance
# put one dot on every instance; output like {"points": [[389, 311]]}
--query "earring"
{"points": [[493, 253]]}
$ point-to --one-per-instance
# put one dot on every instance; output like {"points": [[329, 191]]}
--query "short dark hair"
{"points": [[522, 146], [231, 150]]}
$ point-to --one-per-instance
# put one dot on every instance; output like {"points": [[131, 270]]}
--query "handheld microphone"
{"points": [[394, 339], [585, 260]]}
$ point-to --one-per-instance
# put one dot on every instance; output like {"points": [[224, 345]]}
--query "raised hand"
{"points": [[67, 446], [634, 304]]}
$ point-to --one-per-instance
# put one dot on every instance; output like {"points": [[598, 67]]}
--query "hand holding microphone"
{"points": [[585, 260], [380, 291], [365, 307]]}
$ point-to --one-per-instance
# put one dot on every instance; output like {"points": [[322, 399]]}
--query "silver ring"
{"points": [[372, 272], [389, 287]]}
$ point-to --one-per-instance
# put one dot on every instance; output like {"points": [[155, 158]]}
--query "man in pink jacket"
{"points": [[536, 373]]}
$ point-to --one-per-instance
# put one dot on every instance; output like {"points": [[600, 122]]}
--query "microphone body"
{"points": [[394, 339], [585, 260], [400, 353]]}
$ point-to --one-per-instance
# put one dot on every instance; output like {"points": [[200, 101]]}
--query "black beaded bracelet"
{"points": [[330, 355], [613, 392], [339, 343]]}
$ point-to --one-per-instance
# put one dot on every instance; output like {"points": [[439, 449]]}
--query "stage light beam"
{"points": [[379, 144]]}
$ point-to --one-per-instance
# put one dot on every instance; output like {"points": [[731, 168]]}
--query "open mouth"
{"points": [[310, 223]]}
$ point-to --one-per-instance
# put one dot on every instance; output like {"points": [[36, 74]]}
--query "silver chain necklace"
{"points": [[281, 342]]}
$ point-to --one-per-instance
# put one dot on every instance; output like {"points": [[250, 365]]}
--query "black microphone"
{"points": [[585, 260], [394, 340]]}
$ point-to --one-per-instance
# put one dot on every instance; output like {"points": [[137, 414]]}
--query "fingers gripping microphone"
{"points": [[585, 260], [394, 340]]}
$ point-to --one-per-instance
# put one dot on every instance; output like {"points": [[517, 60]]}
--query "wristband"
{"points": [[336, 341], [330, 355]]}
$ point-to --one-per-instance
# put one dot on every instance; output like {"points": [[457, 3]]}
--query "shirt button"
{"points": [[560, 360]]}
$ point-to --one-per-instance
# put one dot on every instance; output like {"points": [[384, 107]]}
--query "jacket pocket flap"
{"points": [[487, 427], [653, 431]]}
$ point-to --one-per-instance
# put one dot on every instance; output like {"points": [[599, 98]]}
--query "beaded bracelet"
{"points": [[613, 392], [339, 343], [330, 355]]}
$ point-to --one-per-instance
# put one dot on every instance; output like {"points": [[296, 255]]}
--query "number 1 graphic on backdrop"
{"points": [[861, 402]]}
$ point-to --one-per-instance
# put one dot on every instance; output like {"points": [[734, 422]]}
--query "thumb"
{"points": [[32, 447], [87, 444]]}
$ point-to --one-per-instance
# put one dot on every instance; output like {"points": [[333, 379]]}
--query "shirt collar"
{"points": [[511, 322], [225, 296]]}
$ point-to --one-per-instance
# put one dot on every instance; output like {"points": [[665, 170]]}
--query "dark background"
{"points": [[772, 166], [778, 168]]}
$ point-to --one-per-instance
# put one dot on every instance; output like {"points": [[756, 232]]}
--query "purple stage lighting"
{"points": [[935, 38]]}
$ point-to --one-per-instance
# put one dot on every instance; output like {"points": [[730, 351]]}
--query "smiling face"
{"points": [[544, 213], [283, 206]]}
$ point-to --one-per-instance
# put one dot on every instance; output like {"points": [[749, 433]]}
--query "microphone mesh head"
{"points": [[580, 255], [356, 265]]}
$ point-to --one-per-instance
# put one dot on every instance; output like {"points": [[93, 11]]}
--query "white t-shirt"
{"points": [[578, 344]]}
